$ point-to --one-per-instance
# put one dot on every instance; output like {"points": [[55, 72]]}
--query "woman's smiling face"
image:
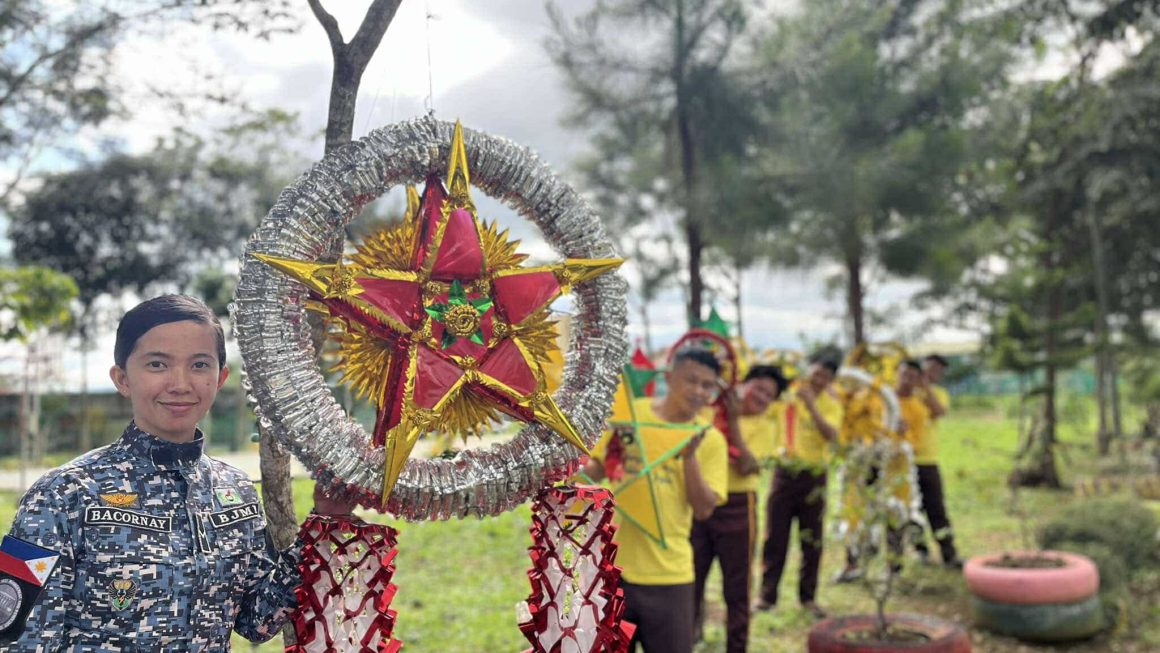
{"points": [[171, 378]]}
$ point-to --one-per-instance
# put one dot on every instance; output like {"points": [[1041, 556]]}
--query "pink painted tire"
{"points": [[1077, 580]]}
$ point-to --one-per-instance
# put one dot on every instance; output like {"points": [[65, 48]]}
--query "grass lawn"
{"points": [[459, 581]]}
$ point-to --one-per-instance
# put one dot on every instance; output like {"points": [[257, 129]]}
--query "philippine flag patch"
{"points": [[26, 561], [24, 568]]}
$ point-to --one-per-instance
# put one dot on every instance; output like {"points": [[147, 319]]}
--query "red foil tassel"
{"points": [[345, 596], [576, 601]]}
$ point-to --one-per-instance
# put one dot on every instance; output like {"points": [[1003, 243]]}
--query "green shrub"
{"points": [[1114, 576], [1125, 527], [1114, 572]]}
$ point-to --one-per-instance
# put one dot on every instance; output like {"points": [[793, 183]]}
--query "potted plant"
{"points": [[879, 505]]}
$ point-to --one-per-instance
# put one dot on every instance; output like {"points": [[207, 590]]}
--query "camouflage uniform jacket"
{"points": [[162, 549]]}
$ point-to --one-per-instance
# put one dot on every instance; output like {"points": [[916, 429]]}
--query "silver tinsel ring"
{"points": [[860, 377], [295, 406]]}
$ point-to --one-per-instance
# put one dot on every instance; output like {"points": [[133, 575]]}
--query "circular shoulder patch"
{"points": [[11, 596]]}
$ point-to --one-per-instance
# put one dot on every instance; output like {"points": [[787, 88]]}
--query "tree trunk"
{"points": [[1045, 465], [696, 286], [278, 502], [693, 229], [350, 60], [1103, 338], [343, 99], [277, 497], [1045, 471], [1114, 387], [1041, 471], [1022, 386], [855, 294], [1103, 436]]}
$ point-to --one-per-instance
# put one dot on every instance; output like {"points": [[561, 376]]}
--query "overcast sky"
{"points": [[489, 69]]}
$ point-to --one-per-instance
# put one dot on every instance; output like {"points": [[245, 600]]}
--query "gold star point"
{"points": [[458, 176], [325, 279], [413, 202], [550, 415], [578, 270]]}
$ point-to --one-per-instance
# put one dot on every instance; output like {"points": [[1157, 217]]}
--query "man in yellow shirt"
{"points": [[810, 424], [657, 578], [728, 535], [937, 401]]}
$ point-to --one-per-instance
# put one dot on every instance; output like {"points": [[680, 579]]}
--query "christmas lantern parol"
{"points": [[444, 329]]}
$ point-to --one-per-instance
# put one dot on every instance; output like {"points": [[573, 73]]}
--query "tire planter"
{"points": [[1077, 580], [832, 635], [1052, 622], [1044, 604]]}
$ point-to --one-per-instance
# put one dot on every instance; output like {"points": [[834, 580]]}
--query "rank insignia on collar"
{"points": [[122, 592], [119, 499], [228, 496]]}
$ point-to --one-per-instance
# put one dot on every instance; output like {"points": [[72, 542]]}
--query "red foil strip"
{"points": [[346, 592], [576, 595]]}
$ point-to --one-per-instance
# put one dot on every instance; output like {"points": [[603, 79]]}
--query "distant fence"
{"points": [[1078, 381]]}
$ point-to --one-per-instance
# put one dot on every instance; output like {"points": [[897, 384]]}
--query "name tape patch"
{"points": [[109, 516], [235, 515]]}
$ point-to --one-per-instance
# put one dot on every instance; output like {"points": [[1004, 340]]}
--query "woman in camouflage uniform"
{"points": [[161, 547]]}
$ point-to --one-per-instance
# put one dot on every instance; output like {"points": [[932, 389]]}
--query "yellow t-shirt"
{"points": [[803, 442], [759, 433], [927, 453], [642, 559], [776, 415], [943, 397], [919, 429]]}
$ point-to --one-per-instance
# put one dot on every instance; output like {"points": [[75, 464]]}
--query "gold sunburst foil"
{"points": [[386, 248], [363, 359], [538, 334], [498, 250], [469, 414]]}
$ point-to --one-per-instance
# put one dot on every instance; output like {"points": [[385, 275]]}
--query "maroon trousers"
{"points": [[663, 615], [727, 535], [799, 495], [930, 484]]}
